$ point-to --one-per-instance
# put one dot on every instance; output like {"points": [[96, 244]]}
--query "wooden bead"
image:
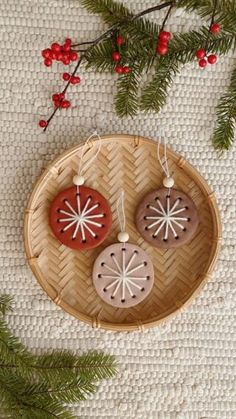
{"points": [[123, 237], [168, 182], [78, 180]]}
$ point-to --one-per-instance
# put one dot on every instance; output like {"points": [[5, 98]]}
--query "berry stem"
{"points": [[166, 17], [211, 23], [214, 13], [131, 19], [64, 90], [153, 9]]}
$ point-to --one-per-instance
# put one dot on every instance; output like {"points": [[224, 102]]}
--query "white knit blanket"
{"points": [[183, 370]]}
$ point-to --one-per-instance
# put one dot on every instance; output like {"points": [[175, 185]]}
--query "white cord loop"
{"points": [[168, 181], [82, 167], [78, 179], [163, 162], [123, 236], [120, 209]]}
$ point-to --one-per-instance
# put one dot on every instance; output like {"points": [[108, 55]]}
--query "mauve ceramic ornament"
{"points": [[166, 217]]}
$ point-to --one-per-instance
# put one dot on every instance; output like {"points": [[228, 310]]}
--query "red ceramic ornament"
{"points": [[80, 217]]}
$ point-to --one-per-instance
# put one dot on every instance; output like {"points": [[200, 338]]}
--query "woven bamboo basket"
{"points": [[127, 162]]}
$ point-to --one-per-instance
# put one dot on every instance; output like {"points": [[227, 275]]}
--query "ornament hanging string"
{"points": [[168, 181], [82, 168], [120, 209], [164, 164]]}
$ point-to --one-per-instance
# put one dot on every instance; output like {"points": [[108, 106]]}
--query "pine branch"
{"points": [[183, 46], [97, 366], [182, 50], [126, 99], [38, 386], [223, 135], [12, 351], [111, 11], [155, 92], [116, 13], [100, 56], [67, 392], [5, 304], [139, 50], [91, 366], [225, 11]]}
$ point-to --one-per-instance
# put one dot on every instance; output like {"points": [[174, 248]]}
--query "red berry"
{"points": [[65, 104], [120, 40], [48, 62], [202, 63], [126, 69], [59, 56], [75, 80], [215, 28], [55, 97], [65, 54], [73, 55], [164, 36], [66, 47], [68, 41], [55, 47], [46, 53], [66, 60], [61, 96], [57, 103], [43, 123], [162, 48], [54, 55], [66, 76], [201, 53], [116, 56], [119, 69], [212, 59]]}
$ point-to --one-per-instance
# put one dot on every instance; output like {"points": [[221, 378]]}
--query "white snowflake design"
{"points": [[124, 276], [167, 219], [81, 218]]}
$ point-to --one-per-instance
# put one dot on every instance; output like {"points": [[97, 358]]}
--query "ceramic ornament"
{"points": [[80, 217], [123, 274], [166, 217]]}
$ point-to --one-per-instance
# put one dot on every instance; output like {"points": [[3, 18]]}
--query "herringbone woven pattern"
{"points": [[128, 163]]}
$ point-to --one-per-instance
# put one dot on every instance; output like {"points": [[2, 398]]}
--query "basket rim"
{"points": [[50, 289]]}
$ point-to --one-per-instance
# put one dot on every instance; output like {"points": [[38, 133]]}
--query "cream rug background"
{"points": [[183, 370]]}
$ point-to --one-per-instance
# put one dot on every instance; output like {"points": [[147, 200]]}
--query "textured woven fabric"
{"points": [[183, 370]]}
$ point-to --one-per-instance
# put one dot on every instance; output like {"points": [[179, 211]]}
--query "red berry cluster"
{"points": [[59, 100], [64, 54], [201, 54], [162, 42], [204, 59], [72, 79], [116, 56], [58, 52]]}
